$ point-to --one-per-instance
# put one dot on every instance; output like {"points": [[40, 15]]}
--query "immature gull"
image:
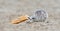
{"points": [[38, 16]]}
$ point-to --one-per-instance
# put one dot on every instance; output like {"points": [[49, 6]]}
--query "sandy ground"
{"points": [[11, 9]]}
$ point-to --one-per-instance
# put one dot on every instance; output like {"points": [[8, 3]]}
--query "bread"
{"points": [[20, 19]]}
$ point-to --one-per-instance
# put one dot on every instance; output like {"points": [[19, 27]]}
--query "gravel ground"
{"points": [[11, 9]]}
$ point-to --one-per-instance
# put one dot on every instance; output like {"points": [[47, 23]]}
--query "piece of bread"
{"points": [[20, 19]]}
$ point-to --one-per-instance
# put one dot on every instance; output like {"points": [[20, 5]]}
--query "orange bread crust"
{"points": [[19, 19]]}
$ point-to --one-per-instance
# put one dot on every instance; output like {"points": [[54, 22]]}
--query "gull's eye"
{"points": [[33, 18]]}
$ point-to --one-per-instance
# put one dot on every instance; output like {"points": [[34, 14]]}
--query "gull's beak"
{"points": [[20, 19]]}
